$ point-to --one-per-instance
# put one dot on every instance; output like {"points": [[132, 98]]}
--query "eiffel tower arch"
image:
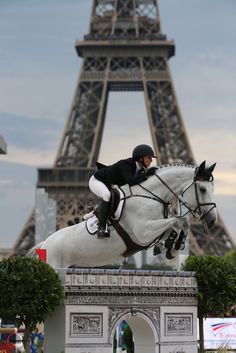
{"points": [[125, 50]]}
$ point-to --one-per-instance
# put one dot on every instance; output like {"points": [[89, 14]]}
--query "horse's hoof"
{"points": [[170, 240], [168, 255], [180, 243], [156, 250]]}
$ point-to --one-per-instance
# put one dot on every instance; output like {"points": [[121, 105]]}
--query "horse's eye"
{"points": [[203, 190]]}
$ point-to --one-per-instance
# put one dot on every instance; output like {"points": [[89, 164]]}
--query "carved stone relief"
{"points": [[178, 324], [129, 300], [86, 325]]}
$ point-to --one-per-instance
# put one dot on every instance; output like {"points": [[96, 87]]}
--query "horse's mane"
{"points": [[169, 165]]}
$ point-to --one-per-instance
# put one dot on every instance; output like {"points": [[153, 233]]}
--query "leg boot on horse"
{"points": [[179, 245], [167, 244], [103, 232]]}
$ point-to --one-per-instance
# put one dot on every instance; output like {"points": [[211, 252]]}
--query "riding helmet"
{"points": [[141, 151]]}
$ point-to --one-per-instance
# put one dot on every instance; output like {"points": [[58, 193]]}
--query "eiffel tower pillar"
{"points": [[124, 50]]}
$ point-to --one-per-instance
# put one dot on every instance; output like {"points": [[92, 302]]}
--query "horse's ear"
{"points": [[201, 169], [211, 168], [203, 173]]}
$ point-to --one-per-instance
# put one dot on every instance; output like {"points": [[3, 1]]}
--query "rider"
{"points": [[126, 171]]}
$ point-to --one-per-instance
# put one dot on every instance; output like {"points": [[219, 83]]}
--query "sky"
{"points": [[39, 71]]}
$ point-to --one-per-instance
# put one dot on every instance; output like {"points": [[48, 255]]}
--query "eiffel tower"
{"points": [[125, 50]]}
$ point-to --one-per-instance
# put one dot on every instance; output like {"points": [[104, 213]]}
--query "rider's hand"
{"points": [[151, 171]]}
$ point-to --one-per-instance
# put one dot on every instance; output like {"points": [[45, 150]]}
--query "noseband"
{"points": [[201, 204], [197, 212]]}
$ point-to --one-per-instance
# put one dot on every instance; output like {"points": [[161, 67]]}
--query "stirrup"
{"points": [[103, 233], [107, 233]]}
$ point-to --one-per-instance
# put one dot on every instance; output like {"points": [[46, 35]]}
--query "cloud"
{"points": [[23, 131], [30, 141], [226, 207], [17, 194], [215, 145], [39, 96], [31, 157], [225, 182]]}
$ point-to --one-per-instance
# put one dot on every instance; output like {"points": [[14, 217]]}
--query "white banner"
{"points": [[220, 332]]}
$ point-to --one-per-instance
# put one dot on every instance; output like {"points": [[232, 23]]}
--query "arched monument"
{"points": [[159, 306]]}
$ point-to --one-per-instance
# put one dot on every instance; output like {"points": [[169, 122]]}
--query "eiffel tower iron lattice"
{"points": [[124, 50]]}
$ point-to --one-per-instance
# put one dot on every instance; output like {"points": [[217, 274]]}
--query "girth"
{"points": [[132, 247]]}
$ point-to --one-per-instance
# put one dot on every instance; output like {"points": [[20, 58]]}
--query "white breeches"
{"points": [[99, 189]]}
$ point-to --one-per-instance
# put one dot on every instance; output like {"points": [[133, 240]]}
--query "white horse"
{"points": [[147, 218]]}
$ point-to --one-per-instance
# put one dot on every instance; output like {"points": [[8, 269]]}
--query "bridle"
{"points": [[198, 208], [196, 212]]}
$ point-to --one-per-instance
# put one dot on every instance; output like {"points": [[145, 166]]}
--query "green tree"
{"points": [[216, 279], [30, 291], [231, 257], [128, 339]]}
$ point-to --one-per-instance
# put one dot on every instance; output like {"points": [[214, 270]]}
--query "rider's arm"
{"points": [[137, 178], [130, 175]]}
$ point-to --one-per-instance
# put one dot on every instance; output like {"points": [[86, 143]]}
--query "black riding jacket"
{"points": [[121, 173]]}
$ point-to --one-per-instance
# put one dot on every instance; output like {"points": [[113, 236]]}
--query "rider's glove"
{"points": [[151, 171]]}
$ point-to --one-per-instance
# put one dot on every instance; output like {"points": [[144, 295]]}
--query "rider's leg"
{"points": [[100, 189], [102, 219]]}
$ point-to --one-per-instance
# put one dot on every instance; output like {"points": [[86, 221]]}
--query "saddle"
{"points": [[115, 210], [113, 205]]}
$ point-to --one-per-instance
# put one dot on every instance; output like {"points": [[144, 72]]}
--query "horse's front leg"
{"points": [[179, 241], [169, 237], [146, 232]]}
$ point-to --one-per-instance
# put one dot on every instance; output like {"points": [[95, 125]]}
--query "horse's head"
{"points": [[199, 194]]}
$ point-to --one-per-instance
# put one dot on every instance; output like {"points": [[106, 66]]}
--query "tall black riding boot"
{"points": [[102, 220]]}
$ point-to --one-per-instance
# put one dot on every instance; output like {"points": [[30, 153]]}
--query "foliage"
{"points": [[128, 339], [30, 290], [216, 279], [231, 257]]}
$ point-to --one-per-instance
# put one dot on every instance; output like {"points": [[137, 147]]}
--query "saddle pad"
{"points": [[92, 221], [92, 224]]}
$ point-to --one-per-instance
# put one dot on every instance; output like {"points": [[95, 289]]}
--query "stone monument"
{"points": [[159, 306]]}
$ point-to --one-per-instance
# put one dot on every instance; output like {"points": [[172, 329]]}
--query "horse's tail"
{"points": [[32, 252]]}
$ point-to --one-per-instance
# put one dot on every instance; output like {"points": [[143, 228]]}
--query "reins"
{"points": [[154, 198], [196, 212], [180, 199]]}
